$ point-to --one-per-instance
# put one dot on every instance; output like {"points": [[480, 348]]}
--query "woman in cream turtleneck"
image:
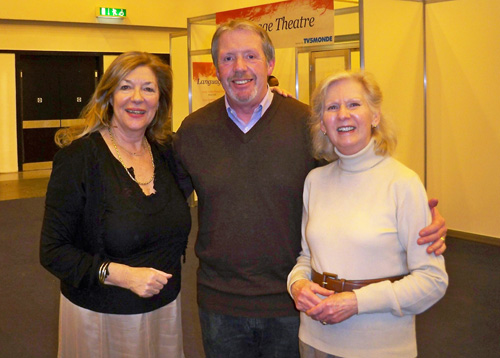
{"points": [[361, 277]]}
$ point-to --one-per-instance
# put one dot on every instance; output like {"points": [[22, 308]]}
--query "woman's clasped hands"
{"points": [[332, 308]]}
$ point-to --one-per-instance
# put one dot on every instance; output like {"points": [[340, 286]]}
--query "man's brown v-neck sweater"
{"points": [[249, 188]]}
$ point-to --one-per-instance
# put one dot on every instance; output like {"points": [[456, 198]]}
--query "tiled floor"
{"points": [[22, 185]]}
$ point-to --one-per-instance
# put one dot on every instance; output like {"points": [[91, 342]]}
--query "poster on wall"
{"points": [[205, 86], [290, 23]]}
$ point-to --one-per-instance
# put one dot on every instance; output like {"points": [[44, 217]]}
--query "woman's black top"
{"points": [[95, 212]]}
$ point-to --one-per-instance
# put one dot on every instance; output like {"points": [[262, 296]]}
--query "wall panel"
{"points": [[464, 128], [8, 131], [394, 54]]}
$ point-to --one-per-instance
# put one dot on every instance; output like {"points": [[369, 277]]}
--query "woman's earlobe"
{"points": [[322, 127]]}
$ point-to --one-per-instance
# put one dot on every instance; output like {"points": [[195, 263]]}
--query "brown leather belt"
{"points": [[331, 281]]}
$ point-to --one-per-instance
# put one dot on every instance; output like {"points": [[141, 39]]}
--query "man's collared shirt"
{"points": [[257, 113]]}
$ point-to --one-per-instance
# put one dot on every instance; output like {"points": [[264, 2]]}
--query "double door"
{"points": [[51, 92]]}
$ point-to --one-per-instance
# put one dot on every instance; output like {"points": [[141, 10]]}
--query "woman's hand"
{"points": [[335, 308], [281, 91], [435, 232], [147, 282], [143, 281], [305, 294]]}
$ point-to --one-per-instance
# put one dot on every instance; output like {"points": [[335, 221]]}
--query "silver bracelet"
{"points": [[104, 271]]}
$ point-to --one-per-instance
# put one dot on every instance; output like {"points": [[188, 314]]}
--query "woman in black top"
{"points": [[116, 224]]}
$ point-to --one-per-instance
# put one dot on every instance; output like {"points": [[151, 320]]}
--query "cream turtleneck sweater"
{"points": [[361, 218]]}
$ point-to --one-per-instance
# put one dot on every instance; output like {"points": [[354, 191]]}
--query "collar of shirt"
{"points": [[257, 113]]}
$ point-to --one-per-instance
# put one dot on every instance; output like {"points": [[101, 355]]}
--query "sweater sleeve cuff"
{"points": [[377, 298], [295, 276]]}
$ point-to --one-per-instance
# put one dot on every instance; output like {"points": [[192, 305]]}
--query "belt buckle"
{"points": [[326, 276]]}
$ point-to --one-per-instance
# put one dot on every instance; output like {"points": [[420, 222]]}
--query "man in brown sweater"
{"points": [[247, 155]]}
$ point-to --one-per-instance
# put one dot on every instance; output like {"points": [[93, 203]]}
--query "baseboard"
{"points": [[37, 166], [474, 237]]}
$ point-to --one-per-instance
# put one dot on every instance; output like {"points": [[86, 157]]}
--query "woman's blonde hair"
{"points": [[99, 111], [384, 134]]}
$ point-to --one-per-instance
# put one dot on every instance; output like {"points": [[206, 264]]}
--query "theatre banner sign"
{"points": [[292, 23]]}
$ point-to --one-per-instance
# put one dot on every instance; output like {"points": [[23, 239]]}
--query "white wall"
{"points": [[8, 130], [463, 38], [179, 62], [463, 84], [394, 54], [160, 13]]}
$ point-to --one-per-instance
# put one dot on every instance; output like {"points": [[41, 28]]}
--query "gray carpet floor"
{"points": [[466, 323]]}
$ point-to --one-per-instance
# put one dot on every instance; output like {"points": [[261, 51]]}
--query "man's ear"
{"points": [[270, 67]]}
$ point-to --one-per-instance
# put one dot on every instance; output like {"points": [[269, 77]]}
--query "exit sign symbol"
{"points": [[112, 12]]}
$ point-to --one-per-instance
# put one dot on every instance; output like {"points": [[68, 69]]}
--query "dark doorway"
{"points": [[51, 92]]}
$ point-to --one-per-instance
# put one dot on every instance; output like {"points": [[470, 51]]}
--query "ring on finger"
{"points": [[443, 238]]}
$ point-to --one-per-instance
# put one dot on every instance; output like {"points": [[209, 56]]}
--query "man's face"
{"points": [[243, 68]]}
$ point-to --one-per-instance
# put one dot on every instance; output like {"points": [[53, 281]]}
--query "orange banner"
{"points": [[290, 23], [205, 85]]}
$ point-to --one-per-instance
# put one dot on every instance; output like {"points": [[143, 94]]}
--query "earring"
{"points": [[374, 126], [324, 133]]}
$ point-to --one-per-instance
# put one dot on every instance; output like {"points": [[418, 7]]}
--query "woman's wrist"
{"points": [[118, 274]]}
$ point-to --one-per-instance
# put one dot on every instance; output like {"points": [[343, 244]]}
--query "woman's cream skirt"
{"points": [[85, 333]]}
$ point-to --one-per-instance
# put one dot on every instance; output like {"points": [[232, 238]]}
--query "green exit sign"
{"points": [[111, 12]]}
